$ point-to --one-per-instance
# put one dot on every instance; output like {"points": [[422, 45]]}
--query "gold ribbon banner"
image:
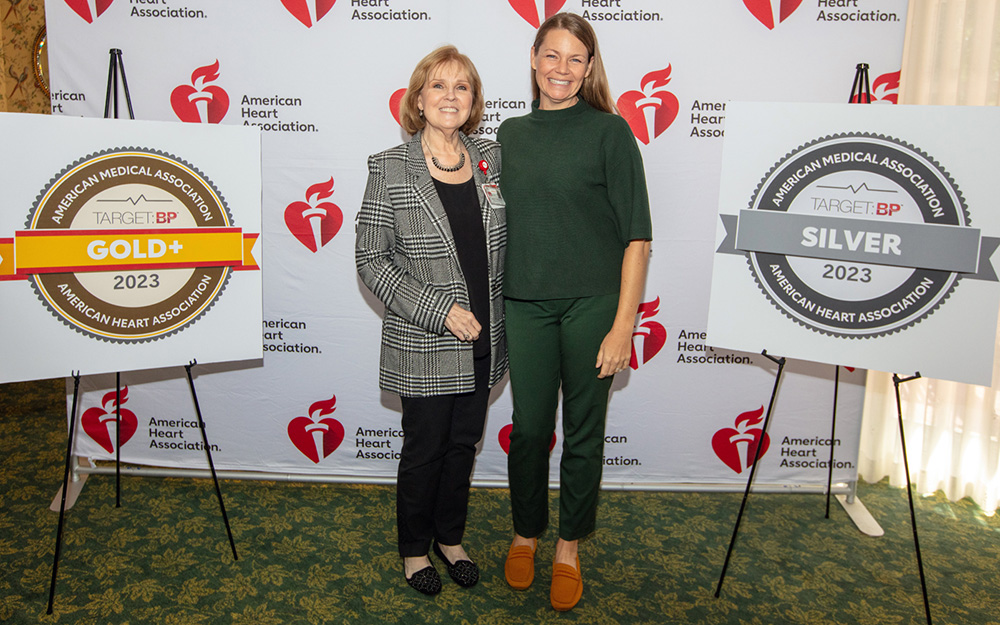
{"points": [[71, 251], [249, 262], [7, 260]]}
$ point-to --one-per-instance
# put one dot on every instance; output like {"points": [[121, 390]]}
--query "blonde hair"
{"points": [[409, 114], [595, 90]]}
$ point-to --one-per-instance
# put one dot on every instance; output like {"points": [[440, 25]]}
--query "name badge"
{"points": [[493, 197]]}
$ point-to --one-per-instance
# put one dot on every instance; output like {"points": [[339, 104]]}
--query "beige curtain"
{"points": [[951, 55]]}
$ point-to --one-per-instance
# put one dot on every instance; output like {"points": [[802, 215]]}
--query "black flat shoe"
{"points": [[465, 573], [426, 581]]}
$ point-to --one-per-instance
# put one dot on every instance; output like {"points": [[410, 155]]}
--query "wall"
{"points": [[20, 24]]}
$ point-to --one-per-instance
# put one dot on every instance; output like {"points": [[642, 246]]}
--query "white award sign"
{"points": [[860, 235], [127, 245]]}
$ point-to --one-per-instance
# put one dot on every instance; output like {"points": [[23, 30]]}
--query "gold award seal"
{"points": [[130, 245]]}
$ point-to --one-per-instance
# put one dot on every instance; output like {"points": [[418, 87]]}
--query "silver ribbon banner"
{"points": [[945, 248]]}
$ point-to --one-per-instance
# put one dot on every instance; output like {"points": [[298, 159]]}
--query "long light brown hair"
{"points": [[409, 113], [595, 90]]}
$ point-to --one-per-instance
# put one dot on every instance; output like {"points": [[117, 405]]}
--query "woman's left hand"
{"points": [[616, 348], [462, 324], [615, 353]]}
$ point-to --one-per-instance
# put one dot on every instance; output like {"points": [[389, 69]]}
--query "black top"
{"points": [[461, 204]]}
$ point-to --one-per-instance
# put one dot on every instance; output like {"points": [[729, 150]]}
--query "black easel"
{"points": [[753, 468], [111, 105], [117, 66], [861, 89], [69, 456]]}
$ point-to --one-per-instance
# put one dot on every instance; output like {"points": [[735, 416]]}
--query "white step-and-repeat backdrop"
{"points": [[322, 80]]}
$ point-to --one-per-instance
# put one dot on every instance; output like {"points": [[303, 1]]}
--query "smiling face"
{"points": [[446, 98], [561, 63]]}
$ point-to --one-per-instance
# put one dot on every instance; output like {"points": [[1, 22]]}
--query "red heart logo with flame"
{"points": [[633, 106], [504, 438], [884, 89], [528, 9], [95, 421], [315, 223], [300, 9], [654, 335], [82, 8], [200, 102], [736, 447], [394, 102], [314, 436], [763, 10]]}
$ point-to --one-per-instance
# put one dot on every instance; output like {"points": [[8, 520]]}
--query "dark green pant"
{"points": [[553, 343]]}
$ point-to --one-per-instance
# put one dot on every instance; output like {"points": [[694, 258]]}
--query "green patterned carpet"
{"points": [[326, 554]]}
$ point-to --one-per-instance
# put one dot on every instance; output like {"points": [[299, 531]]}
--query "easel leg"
{"points": [[116, 68], [65, 488], [833, 434], [896, 381], [112, 90], [753, 470], [211, 463], [118, 440], [121, 69]]}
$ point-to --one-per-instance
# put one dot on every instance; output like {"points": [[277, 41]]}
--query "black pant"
{"points": [[440, 434]]}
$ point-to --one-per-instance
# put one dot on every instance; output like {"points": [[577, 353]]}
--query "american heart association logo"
{"points": [[650, 111], [317, 438], [530, 10], [395, 100], [97, 421], [653, 334], [308, 11], [201, 102], [764, 10], [885, 88], [312, 222], [88, 9], [504, 438], [737, 446]]}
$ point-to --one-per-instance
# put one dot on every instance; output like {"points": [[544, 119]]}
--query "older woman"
{"points": [[576, 264], [430, 245]]}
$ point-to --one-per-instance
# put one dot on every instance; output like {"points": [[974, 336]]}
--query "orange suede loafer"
{"points": [[567, 586], [519, 569]]}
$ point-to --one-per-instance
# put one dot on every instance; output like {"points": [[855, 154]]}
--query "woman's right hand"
{"points": [[462, 324]]}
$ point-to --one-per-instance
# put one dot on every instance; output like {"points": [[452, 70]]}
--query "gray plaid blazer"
{"points": [[405, 253]]}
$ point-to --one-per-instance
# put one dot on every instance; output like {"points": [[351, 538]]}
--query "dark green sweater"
{"points": [[576, 195]]}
